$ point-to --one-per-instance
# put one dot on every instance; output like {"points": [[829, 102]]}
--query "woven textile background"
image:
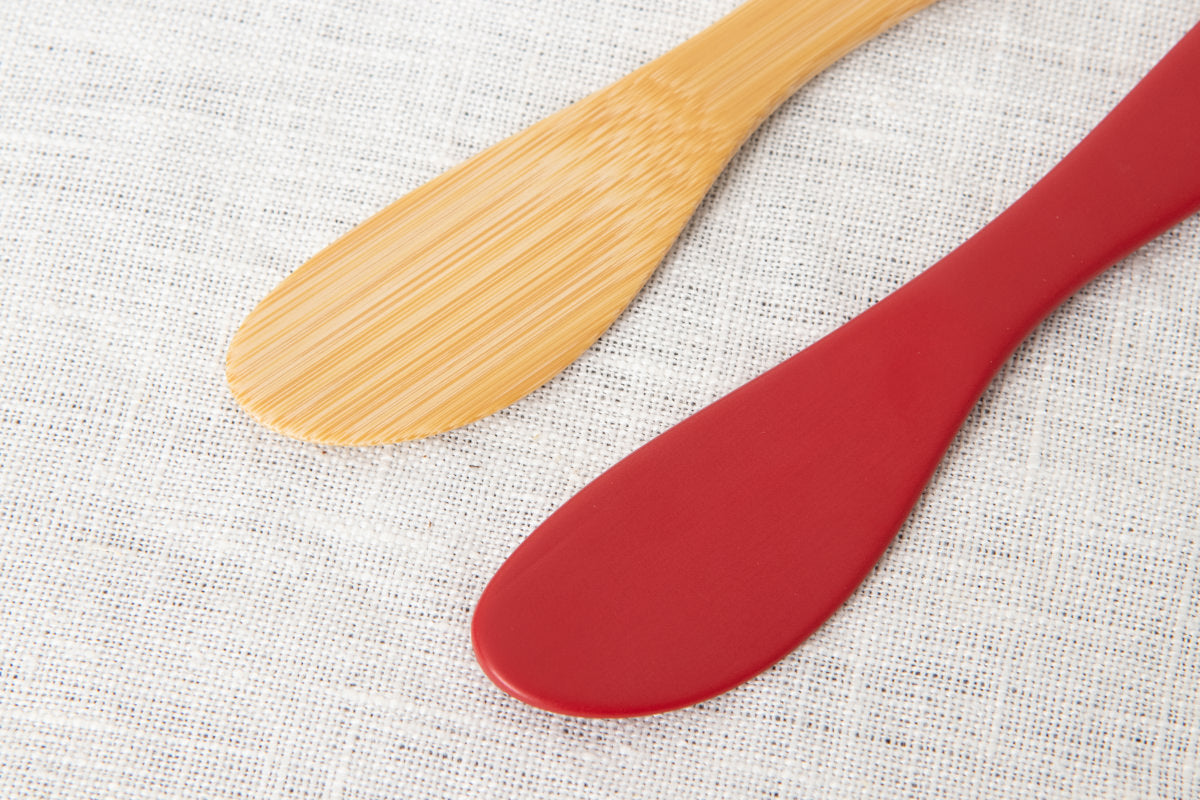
{"points": [[192, 606]]}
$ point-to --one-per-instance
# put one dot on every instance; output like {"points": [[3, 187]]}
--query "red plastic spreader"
{"points": [[714, 550]]}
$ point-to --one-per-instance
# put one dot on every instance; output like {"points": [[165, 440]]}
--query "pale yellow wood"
{"points": [[481, 285]]}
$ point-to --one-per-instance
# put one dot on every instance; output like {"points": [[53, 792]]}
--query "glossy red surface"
{"points": [[714, 550]]}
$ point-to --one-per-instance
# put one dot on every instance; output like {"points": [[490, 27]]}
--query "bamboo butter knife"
{"points": [[476, 288], [714, 550]]}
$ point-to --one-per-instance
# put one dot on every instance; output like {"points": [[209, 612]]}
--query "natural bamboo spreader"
{"points": [[478, 287]]}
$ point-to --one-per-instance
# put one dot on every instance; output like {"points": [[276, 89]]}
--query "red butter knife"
{"points": [[714, 550]]}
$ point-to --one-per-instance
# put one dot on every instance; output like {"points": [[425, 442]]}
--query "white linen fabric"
{"points": [[196, 607]]}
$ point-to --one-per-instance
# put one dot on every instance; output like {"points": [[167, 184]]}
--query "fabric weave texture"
{"points": [[196, 607]]}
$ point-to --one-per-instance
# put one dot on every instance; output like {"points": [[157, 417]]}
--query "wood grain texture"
{"points": [[478, 287]]}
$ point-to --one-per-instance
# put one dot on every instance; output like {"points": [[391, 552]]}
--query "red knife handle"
{"points": [[1133, 177]]}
